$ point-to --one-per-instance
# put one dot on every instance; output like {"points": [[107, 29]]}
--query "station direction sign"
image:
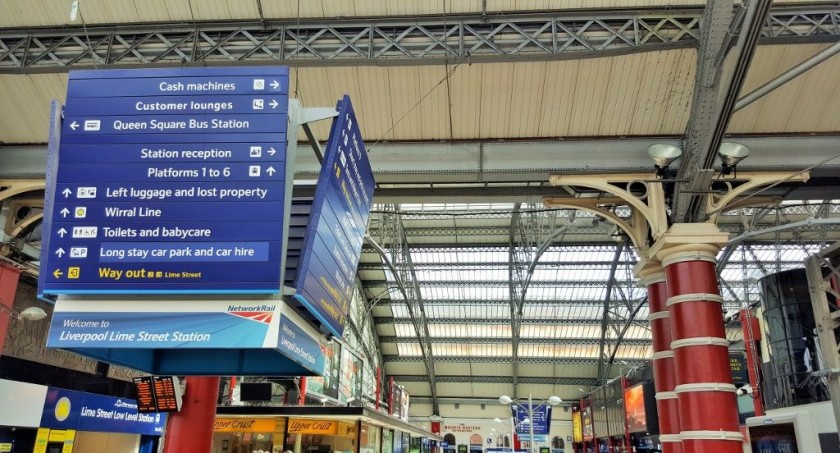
{"points": [[337, 223], [168, 181], [539, 417]]}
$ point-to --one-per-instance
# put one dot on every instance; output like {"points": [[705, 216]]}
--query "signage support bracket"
{"points": [[313, 115]]}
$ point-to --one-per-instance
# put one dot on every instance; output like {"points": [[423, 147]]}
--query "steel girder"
{"points": [[379, 320], [478, 379], [388, 358], [363, 329], [606, 319], [351, 41], [507, 340], [402, 268], [715, 93], [570, 265], [361, 342], [516, 292], [492, 283]]}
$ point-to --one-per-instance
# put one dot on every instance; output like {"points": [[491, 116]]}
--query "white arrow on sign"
{"points": [[270, 171], [275, 84], [60, 252], [74, 125], [273, 104], [66, 192], [62, 232], [271, 151], [64, 212]]}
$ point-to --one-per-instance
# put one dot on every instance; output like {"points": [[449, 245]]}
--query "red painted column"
{"points": [[191, 430], [652, 276], [708, 412], [378, 393], [231, 387], [624, 385], [752, 333], [9, 277], [302, 398]]}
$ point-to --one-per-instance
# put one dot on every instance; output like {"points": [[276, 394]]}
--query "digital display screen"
{"points": [[634, 408], [157, 394], [779, 438], [166, 395], [145, 394]]}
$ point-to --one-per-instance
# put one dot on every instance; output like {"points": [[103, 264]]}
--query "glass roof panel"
{"points": [[471, 350]]}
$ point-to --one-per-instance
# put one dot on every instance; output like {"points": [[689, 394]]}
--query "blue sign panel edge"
{"points": [[49, 190], [311, 228]]}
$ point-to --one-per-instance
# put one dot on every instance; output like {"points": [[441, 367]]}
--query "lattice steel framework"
{"points": [[476, 38], [769, 239], [360, 335], [405, 281], [504, 380]]}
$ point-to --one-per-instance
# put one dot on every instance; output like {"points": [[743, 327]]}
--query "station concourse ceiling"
{"points": [[463, 142]]}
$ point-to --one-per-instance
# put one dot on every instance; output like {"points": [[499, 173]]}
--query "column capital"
{"points": [[694, 241], [649, 271]]}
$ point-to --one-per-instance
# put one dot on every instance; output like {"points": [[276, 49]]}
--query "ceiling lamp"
{"points": [[663, 155], [730, 154]]}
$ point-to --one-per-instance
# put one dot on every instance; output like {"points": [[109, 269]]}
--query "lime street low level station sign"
{"points": [[168, 181]]}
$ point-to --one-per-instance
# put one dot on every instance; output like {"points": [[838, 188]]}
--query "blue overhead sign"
{"points": [[540, 417], [168, 181], [68, 409], [337, 224]]}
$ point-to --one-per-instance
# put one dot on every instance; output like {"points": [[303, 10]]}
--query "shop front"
{"points": [[248, 435], [315, 430], [307, 435]]}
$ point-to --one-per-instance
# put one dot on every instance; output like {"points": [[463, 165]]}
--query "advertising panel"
{"points": [[329, 383], [168, 181], [634, 408], [405, 404], [396, 399], [577, 427], [68, 409], [586, 421], [738, 365], [351, 376]]}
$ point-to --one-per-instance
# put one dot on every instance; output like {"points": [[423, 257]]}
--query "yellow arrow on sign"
{"points": [[58, 273]]}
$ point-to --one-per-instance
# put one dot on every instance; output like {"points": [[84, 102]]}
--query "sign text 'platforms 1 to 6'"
{"points": [[169, 180], [337, 224]]}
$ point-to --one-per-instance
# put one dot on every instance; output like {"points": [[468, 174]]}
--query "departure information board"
{"points": [[167, 395], [158, 394], [145, 394]]}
